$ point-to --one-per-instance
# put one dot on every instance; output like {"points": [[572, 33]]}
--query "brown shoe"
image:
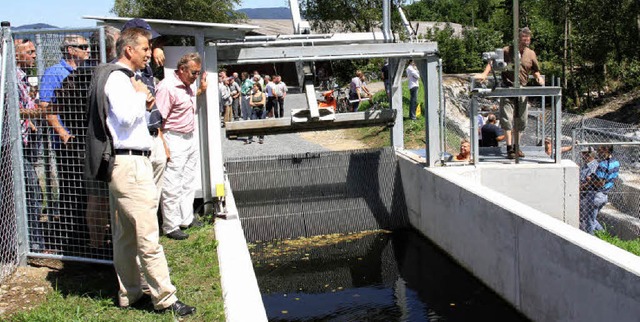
{"points": [[520, 154], [511, 155]]}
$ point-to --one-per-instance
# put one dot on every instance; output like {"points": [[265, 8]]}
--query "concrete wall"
{"points": [[240, 291], [550, 188], [547, 269]]}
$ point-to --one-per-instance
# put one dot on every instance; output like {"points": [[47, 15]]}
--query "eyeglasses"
{"points": [[194, 72], [83, 46]]}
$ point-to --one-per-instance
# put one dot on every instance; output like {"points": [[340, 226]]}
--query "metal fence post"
{"points": [[13, 119]]}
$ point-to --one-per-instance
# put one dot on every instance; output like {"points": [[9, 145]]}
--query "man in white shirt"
{"points": [[414, 77], [133, 195], [270, 90], [281, 93]]}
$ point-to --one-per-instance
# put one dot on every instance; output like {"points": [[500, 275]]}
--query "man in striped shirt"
{"points": [[601, 183]]}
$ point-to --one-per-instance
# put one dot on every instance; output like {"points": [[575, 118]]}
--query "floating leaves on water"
{"points": [[297, 299], [284, 312], [339, 288], [301, 246]]}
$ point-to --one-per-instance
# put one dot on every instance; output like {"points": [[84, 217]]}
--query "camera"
{"points": [[496, 58]]}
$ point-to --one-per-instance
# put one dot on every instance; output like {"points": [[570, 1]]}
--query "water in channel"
{"points": [[370, 276]]}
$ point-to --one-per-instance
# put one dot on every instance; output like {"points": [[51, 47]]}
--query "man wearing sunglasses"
{"points": [[75, 50], [176, 100]]}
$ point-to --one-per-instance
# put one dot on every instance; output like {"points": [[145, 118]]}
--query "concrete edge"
{"points": [[595, 245], [240, 291]]}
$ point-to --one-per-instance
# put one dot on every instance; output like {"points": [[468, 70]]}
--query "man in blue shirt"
{"points": [[598, 188], [75, 49]]}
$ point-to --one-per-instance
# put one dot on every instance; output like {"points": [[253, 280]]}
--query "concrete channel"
{"points": [[530, 253]]}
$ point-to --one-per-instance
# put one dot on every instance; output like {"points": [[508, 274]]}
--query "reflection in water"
{"points": [[371, 276]]}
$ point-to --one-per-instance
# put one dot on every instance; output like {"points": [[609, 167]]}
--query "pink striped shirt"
{"points": [[177, 104]]}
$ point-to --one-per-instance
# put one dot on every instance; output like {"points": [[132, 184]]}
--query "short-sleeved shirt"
{"points": [[52, 79], [608, 170], [280, 89], [26, 102], [528, 65], [246, 87], [177, 104], [588, 169], [414, 76], [356, 83], [490, 133], [270, 89]]}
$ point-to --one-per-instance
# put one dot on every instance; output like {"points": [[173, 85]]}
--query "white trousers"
{"points": [[177, 183], [158, 160]]}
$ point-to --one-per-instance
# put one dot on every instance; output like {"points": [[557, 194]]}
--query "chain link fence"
{"points": [[613, 206], [617, 208], [456, 127], [9, 258]]}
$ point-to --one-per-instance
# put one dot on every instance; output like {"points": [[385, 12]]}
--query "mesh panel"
{"points": [[291, 196], [67, 215]]}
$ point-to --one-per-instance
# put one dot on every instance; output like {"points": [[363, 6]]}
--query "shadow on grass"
{"points": [[96, 281]]}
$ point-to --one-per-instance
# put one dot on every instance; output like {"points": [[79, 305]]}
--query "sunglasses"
{"points": [[83, 47], [193, 73]]}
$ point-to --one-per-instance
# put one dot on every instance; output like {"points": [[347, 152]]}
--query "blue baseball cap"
{"points": [[140, 23]]}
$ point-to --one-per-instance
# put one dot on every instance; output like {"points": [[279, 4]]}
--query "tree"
{"points": [[216, 11], [347, 15]]}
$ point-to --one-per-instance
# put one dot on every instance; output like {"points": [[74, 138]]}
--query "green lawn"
{"points": [[86, 292], [632, 246], [414, 131]]}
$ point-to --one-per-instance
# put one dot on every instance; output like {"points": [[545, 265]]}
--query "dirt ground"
{"points": [[28, 286], [623, 108]]}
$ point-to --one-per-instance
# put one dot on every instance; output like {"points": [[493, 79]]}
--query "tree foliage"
{"points": [[346, 15], [216, 11]]}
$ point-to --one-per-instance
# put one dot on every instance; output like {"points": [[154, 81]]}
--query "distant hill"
{"points": [[267, 13], [34, 26]]}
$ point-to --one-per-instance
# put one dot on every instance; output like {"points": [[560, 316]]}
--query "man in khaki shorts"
{"points": [[509, 114]]}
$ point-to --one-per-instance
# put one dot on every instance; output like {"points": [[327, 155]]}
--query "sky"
{"points": [[68, 13]]}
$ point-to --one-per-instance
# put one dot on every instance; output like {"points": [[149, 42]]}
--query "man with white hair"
{"points": [[176, 100]]}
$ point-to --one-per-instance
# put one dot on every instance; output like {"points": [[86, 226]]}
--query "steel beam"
{"points": [[236, 55], [306, 39], [285, 125], [518, 92]]}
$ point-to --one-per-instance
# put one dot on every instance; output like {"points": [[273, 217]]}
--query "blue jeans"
{"points": [[413, 102], [591, 203], [34, 206], [258, 113]]}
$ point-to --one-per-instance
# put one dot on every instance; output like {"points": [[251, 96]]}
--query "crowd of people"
{"points": [[250, 97], [125, 134]]}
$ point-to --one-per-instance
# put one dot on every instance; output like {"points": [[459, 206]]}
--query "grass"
{"points": [[414, 131], [632, 246], [86, 292]]}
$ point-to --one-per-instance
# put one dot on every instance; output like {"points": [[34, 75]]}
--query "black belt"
{"points": [[133, 152]]}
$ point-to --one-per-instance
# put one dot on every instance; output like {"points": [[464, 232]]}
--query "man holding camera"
{"points": [[509, 114]]}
